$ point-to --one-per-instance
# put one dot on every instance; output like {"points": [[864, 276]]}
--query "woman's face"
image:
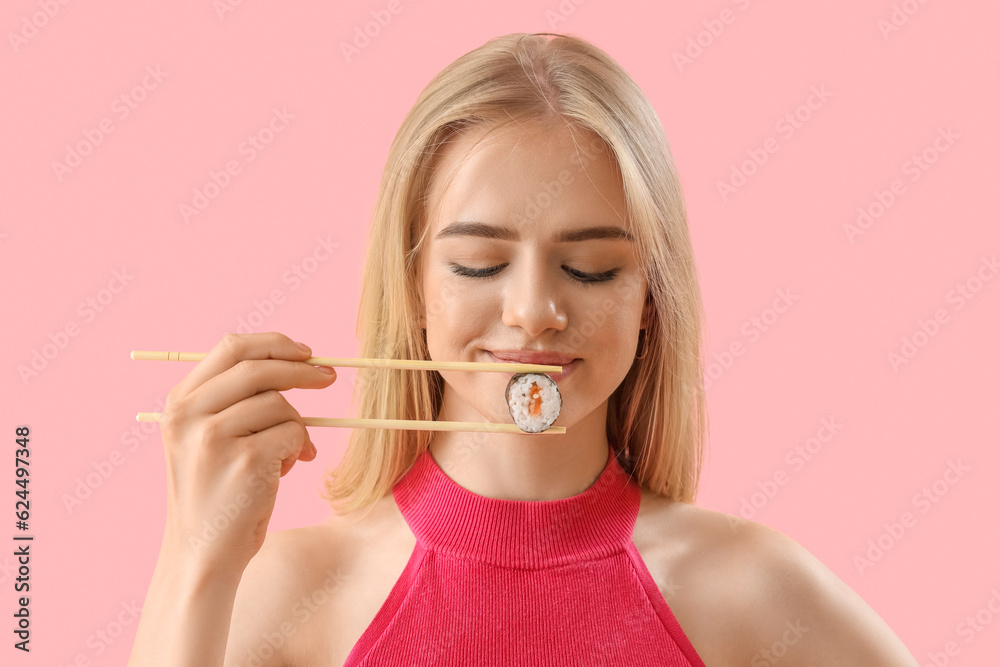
{"points": [[539, 213]]}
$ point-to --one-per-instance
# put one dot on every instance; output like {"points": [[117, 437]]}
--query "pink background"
{"points": [[827, 356]]}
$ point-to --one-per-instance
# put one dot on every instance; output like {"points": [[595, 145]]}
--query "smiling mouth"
{"points": [[532, 357], [528, 357]]}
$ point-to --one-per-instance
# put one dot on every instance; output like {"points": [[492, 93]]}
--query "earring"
{"points": [[644, 346]]}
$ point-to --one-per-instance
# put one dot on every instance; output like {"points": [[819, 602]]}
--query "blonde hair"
{"points": [[657, 419]]}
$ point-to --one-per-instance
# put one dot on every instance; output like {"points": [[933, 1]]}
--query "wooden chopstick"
{"points": [[417, 364], [403, 424]]}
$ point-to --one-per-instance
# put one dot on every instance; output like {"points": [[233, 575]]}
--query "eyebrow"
{"points": [[483, 230]]}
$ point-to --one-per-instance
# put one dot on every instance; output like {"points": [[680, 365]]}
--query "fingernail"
{"points": [[303, 347], [326, 369]]}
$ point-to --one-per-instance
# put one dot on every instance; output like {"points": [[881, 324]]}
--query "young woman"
{"points": [[529, 211]]}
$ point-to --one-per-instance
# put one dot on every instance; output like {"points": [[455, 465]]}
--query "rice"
{"points": [[534, 401]]}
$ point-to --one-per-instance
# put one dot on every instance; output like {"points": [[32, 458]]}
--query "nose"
{"points": [[533, 300]]}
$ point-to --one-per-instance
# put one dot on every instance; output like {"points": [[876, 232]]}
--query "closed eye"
{"points": [[493, 271]]}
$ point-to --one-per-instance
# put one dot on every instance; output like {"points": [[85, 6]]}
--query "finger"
{"points": [[309, 452], [279, 445], [234, 348], [254, 376], [261, 412], [256, 414]]}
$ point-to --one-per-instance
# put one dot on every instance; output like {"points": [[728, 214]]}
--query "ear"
{"points": [[647, 311]]}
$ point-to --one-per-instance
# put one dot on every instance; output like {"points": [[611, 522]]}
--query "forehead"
{"points": [[544, 174]]}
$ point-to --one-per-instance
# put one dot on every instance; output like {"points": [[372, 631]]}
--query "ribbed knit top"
{"points": [[509, 582]]}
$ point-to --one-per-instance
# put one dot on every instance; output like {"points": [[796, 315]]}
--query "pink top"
{"points": [[510, 582]]}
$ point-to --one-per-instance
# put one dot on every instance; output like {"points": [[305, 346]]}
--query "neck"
{"points": [[521, 467]]}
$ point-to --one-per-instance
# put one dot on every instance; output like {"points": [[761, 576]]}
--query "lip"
{"points": [[569, 364]]}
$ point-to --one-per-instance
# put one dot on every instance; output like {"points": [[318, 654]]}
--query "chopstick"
{"points": [[403, 424], [417, 364]]}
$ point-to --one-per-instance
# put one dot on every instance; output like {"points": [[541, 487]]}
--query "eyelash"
{"points": [[491, 272]]}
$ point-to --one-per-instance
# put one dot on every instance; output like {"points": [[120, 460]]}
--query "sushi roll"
{"points": [[534, 401]]}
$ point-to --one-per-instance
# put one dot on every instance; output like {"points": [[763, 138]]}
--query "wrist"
{"points": [[188, 566]]}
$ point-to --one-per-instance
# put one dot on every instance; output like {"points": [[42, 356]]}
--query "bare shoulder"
{"points": [[746, 593], [803, 610], [691, 554], [310, 593], [283, 598]]}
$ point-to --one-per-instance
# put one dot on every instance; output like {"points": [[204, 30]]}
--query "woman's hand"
{"points": [[229, 436]]}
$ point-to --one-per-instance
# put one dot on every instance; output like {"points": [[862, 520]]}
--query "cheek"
{"points": [[611, 319], [607, 328], [630, 301], [614, 343], [455, 314]]}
